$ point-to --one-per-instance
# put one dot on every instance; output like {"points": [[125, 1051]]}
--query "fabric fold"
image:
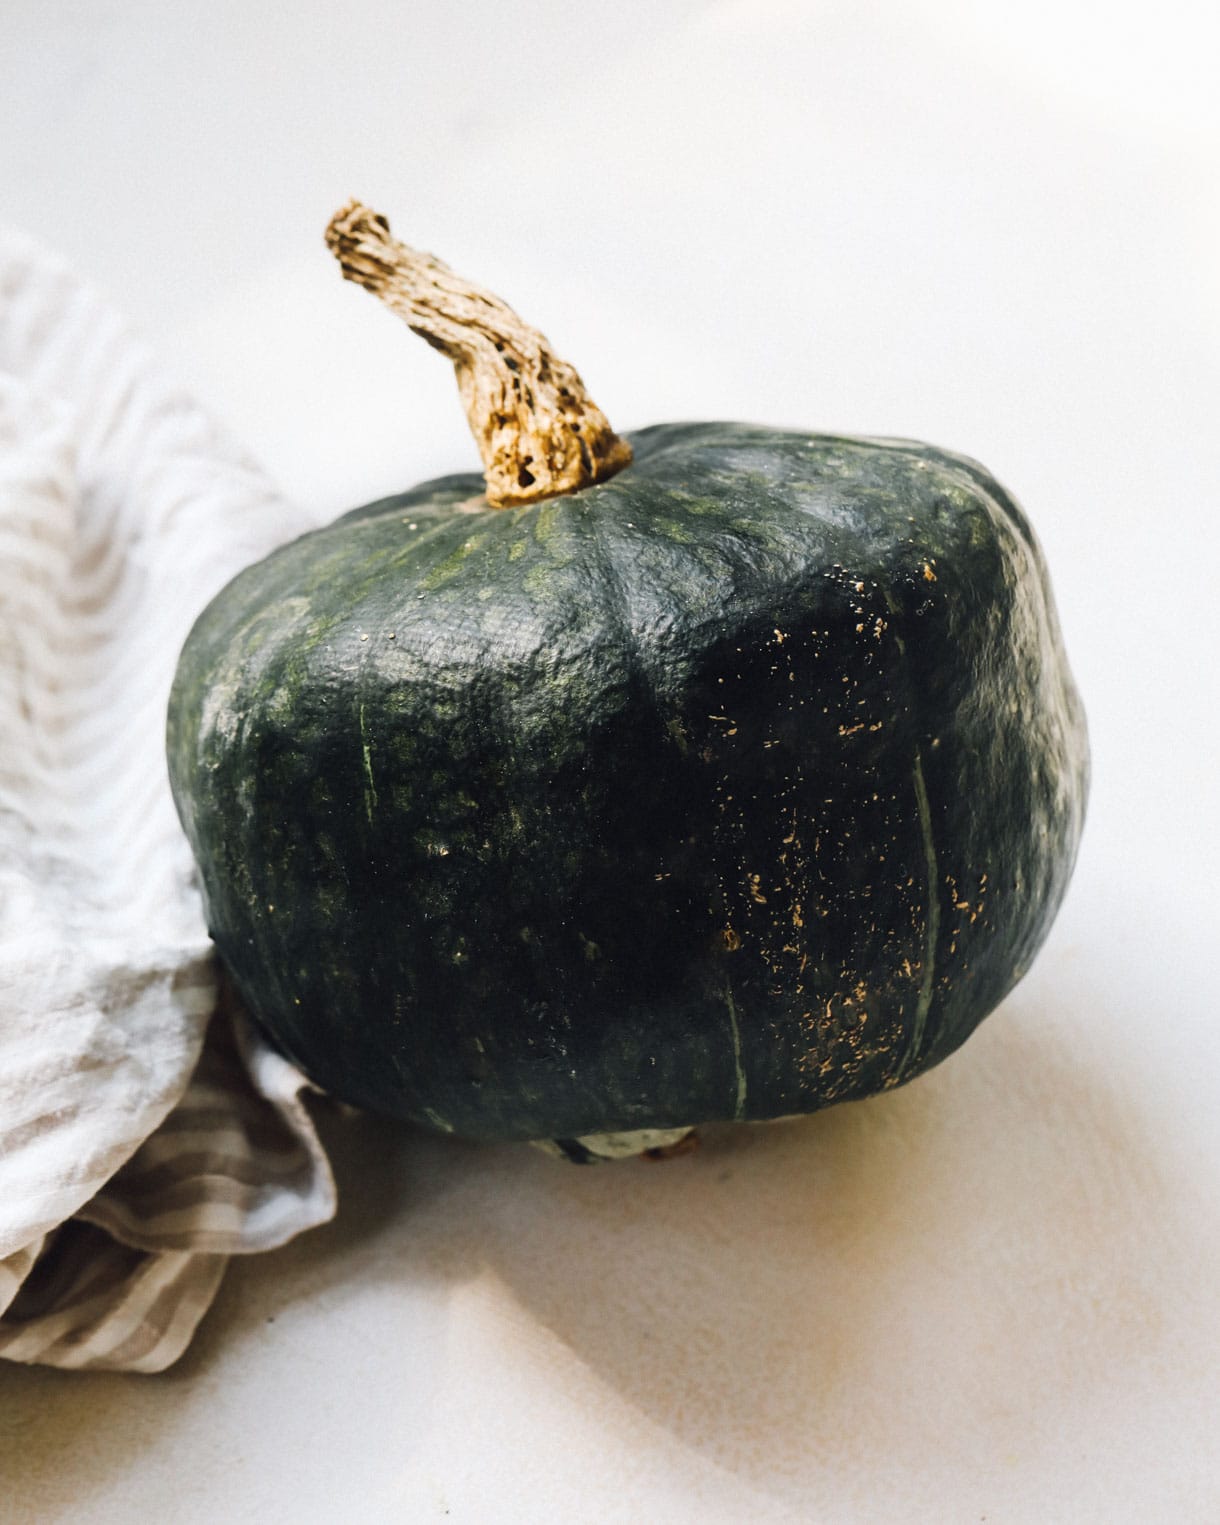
{"points": [[146, 1133]]}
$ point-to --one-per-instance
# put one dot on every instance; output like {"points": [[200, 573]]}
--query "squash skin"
{"points": [[746, 782]]}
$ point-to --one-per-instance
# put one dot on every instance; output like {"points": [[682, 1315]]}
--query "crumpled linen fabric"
{"points": [[147, 1133]]}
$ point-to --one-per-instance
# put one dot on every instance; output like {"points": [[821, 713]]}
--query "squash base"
{"points": [[593, 1148]]}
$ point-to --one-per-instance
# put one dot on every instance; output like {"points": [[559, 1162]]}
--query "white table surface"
{"points": [[994, 1295]]}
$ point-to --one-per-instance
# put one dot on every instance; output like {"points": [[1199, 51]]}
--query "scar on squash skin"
{"points": [[735, 1030], [370, 788], [927, 965]]}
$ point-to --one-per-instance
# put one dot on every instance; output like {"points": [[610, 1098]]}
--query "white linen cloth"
{"points": [[146, 1134]]}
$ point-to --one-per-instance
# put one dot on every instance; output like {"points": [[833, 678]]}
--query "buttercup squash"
{"points": [[716, 772]]}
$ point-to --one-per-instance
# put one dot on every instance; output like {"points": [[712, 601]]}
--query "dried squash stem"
{"points": [[537, 429]]}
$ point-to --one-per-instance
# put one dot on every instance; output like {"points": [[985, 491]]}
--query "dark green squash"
{"points": [[743, 782]]}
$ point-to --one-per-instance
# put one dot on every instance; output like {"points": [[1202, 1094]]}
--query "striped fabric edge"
{"points": [[93, 1304], [236, 1168]]}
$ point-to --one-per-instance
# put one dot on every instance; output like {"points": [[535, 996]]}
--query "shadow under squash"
{"points": [[977, 1255]]}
